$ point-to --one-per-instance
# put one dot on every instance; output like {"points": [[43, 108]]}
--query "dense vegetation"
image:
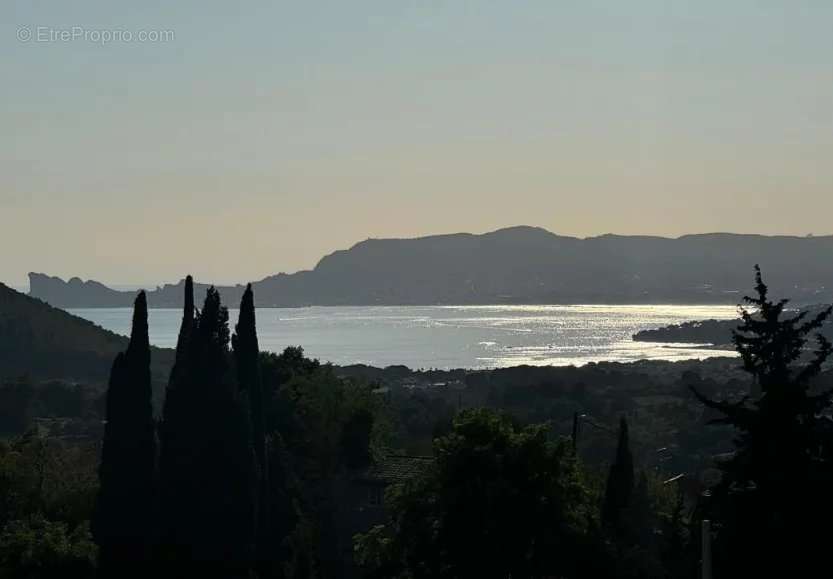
{"points": [[502, 500], [248, 467]]}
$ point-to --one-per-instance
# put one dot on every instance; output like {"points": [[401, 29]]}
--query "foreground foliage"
{"points": [[774, 499], [502, 500]]}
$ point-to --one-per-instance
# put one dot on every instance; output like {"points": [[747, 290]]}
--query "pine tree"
{"points": [[775, 488], [123, 524], [620, 480]]}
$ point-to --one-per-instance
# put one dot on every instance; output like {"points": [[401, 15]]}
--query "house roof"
{"points": [[396, 468]]}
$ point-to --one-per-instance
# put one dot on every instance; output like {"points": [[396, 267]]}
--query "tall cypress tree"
{"points": [[173, 406], [174, 443], [187, 320], [209, 460], [247, 360], [173, 400], [776, 488], [226, 498], [123, 524], [620, 480]]}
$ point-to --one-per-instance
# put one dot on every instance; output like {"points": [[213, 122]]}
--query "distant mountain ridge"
{"points": [[517, 265]]}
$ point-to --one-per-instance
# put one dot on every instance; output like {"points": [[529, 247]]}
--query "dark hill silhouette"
{"points": [[718, 332], [519, 265], [44, 342]]}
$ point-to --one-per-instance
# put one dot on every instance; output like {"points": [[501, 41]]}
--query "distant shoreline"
{"points": [[512, 266]]}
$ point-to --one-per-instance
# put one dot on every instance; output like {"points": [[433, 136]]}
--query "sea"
{"points": [[444, 337]]}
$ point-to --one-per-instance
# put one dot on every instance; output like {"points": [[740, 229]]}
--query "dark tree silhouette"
{"points": [[620, 480], [174, 409], [775, 488], [187, 320], [210, 483], [123, 520], [174, 440], [247, 360]]}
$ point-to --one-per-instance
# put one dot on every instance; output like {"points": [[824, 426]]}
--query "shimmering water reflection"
{"points": [[455, 336]]}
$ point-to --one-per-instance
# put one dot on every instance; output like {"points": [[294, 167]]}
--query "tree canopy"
{"points": [[775, 488], [501, 500]]}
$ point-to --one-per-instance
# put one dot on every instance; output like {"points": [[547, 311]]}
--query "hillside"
{"points": [[44, 342], [519, 265], [717, 332]]}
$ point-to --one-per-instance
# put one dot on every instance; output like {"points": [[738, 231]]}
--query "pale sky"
{"points": [[262, 135]]}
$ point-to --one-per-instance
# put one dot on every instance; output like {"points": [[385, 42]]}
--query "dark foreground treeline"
{"points": [[502, 501], [210, 492], [244, 474], [211, 489]]}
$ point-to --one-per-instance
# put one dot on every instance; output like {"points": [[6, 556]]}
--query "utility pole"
{"points": [[577, 420], [706, 543]]}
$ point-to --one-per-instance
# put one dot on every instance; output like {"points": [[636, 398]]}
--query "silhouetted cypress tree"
{"points": [[123, 520], [247, 360], [210, 479], [620, 479], [172, 406], [187, 319], [174, 442], [775, 491]]}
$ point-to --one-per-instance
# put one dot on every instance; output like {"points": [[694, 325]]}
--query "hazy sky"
{"points": [[265, 134]]}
